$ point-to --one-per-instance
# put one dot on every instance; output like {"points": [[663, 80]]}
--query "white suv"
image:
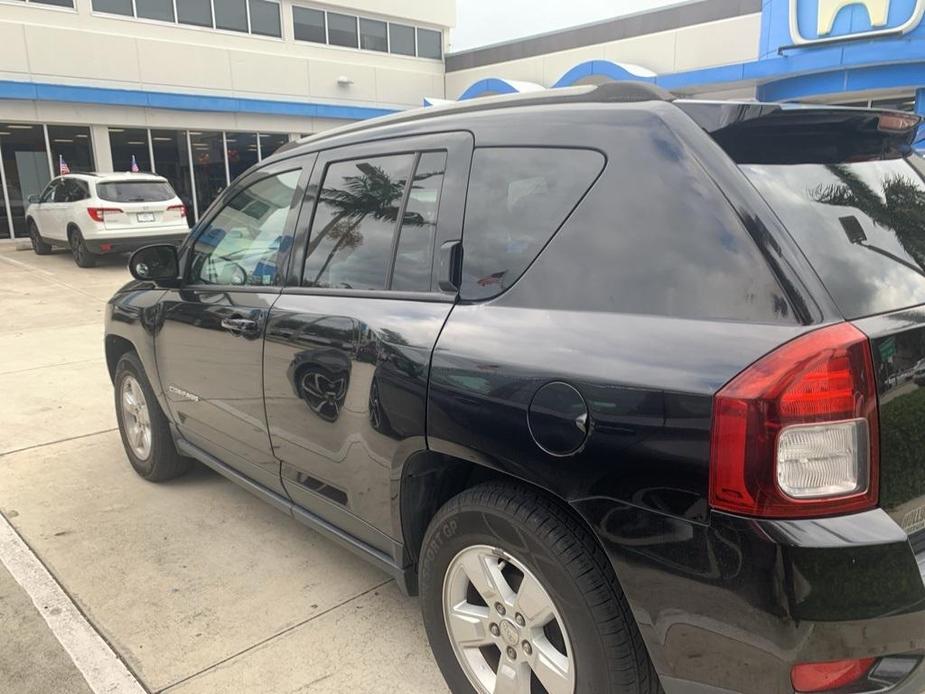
{"points": [[95, 214]]}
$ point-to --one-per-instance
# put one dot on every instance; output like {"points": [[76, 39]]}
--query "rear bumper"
{"points": [[121, 244], [733, 605]]}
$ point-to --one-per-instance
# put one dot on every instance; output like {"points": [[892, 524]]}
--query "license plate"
{"points": [[145, 216]]}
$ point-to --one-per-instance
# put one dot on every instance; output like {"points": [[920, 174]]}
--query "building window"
{"points": [[172, 161], [247, 16], [195, 12], [113, 6], [25, 166], [265, 18], [401, 39], [429, 44], [56, 3], [368, 34], [208, 167], [230, 14], [269, 143], [129, 146], [309, 25], [70, 144], [155, 9], [374, 35], [241, 151], [342, 30]]}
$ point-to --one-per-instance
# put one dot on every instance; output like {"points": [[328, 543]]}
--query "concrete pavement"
{"points": [[198, 586]]}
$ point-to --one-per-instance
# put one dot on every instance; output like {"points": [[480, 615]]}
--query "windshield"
{"points": [[861, 224], [135, 191]]}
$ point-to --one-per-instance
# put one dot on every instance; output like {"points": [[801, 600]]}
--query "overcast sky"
{"points": [[480, 22]]}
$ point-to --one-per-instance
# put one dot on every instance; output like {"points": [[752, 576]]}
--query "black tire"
{"points": [[163, 462], [543, 535], [39, 245], [82, 255]]}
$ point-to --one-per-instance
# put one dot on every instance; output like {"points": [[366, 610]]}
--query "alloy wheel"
{"points": [[505, 630], [136, 419]]}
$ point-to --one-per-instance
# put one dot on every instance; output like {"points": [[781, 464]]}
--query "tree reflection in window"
{"points": [[351, 236], [899, 206]]}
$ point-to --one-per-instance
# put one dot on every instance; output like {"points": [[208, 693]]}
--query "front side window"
{"points": [[350, 245], [48, 195], [246, 242], [518, 198]]}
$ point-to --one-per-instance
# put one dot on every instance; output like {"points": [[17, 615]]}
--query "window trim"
{"points": [[389, 21], [457, 145]]}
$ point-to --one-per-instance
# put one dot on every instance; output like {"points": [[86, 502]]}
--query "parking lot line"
{"points": [[104, 672]]}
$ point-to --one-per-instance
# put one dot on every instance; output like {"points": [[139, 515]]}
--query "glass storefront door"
{"points": [[171, 160], [25, 169], [208, 166]]}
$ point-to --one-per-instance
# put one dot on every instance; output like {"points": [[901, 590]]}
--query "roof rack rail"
{"points": [[610, 92]]}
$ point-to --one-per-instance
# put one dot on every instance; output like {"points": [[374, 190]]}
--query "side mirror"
{"points": [[34, 198], [158, 263]]}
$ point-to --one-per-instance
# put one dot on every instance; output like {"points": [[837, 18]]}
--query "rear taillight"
{"points": [[825, 677], [796, 434], [98, 214], [178, 208]]}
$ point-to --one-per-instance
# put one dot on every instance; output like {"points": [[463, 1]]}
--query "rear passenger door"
{"points": [[348, 343]]}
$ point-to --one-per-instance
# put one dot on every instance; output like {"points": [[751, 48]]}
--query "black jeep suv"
{"points": [[617, 382]]}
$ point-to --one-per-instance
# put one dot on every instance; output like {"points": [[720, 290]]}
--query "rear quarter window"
{"points": [[654, 236], [135, 191], [518, 198]]}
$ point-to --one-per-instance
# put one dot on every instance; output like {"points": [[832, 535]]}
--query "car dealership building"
{"points": [[198, 90]]}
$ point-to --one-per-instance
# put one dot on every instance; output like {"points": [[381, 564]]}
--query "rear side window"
{"points": [[350, 246], [518, 198], [135, 191]]}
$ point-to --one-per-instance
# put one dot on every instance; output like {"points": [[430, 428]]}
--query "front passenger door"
{"points": [[210, 345]]}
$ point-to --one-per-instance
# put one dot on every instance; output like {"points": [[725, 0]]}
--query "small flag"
{"points": [[63, 168], [134, 165]]}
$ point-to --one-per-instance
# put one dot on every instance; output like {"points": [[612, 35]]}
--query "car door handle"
{"points": [[239, 326]]}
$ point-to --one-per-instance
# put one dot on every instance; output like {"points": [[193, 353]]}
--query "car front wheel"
{"points": [[518, 597], [39, 245], [144, 428]]}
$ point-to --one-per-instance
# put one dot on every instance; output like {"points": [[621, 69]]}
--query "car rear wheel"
{"points": [[144, 428], [82, 255], [518, 597], [39, 245]]}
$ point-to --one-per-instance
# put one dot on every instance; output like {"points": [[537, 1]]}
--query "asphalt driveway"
{"points": [[195, 585]]}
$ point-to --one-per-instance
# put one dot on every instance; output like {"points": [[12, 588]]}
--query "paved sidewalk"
{"points": [[197, 585]]}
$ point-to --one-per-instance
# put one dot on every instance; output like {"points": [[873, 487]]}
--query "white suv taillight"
{"points": [[795, 435], [98, 214]]}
